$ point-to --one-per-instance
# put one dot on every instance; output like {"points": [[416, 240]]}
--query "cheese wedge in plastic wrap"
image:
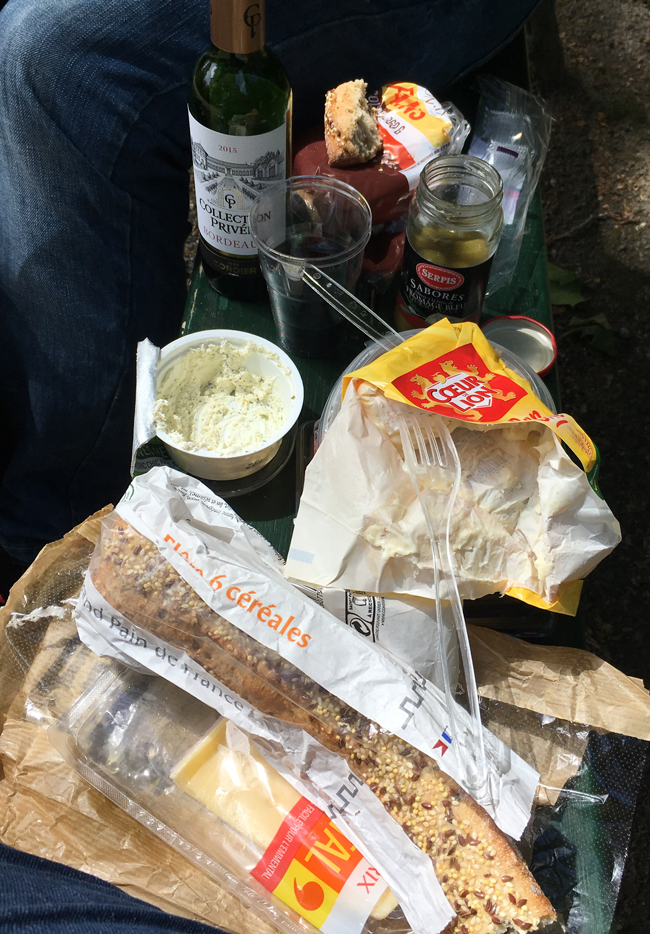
{"points": [[227, 774]]}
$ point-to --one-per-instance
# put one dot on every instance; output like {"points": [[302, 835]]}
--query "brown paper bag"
{"points": [[573, 687], [45, 807], [48, 810]]}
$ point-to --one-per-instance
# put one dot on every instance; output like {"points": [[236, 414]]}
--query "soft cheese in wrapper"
{"points": [[415, 127], [526, 520]]}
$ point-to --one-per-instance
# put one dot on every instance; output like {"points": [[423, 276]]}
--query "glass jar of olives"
{"points": [[452, 233]]}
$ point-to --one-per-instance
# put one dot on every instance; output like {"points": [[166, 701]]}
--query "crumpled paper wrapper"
{"points": [[530, 696], [562, 682], [45, 807], [525, 517]]}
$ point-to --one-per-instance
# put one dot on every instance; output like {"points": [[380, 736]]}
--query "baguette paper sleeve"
{"points": [[142, 601], [230, 568]]}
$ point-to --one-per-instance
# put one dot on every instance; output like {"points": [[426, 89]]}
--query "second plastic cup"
{"points": [[317, 220]]}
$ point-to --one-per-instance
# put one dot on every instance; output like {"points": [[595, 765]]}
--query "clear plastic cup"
{"points": [[317, 220]]}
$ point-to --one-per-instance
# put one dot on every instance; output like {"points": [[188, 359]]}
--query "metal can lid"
{"points": [[530, 340]]}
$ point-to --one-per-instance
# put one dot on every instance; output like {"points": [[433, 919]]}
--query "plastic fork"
{"points": [[426, 454], [422, 457], [350, 307]]}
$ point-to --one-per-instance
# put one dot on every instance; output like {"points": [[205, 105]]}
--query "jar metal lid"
{"points": [[530, 340]]}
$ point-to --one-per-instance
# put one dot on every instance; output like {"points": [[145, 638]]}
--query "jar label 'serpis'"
{"points": [[229, 173], [428, 289]]}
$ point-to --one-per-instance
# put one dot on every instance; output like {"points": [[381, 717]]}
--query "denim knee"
{"points": [[25, 82], [90, 67], [86, 266]]}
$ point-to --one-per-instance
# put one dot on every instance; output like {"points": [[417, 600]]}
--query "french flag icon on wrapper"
{"points": [[443, 743]]}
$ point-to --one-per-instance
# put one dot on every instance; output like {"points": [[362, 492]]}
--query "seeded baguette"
{"points": [[481, 873], [351, 131]]}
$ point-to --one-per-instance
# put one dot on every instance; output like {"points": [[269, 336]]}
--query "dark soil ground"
{"points": [[596, 194]]}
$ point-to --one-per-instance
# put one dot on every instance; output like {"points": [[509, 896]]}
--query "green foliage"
{"points": [[565, 288]]}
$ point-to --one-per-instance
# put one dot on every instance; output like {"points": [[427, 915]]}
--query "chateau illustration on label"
{"points": [[234, 186]]}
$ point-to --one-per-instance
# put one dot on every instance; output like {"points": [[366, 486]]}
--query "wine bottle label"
{"points": [[229, 173], [428, 290]]}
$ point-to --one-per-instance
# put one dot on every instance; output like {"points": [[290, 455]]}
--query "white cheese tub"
{"points": [[207, 464]]}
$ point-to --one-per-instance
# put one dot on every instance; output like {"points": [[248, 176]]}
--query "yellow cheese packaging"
{"points": [[196, 780], [454, 371], [307, 862]]}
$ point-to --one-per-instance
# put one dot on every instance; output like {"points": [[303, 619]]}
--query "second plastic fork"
{"points": [[424, 456]]}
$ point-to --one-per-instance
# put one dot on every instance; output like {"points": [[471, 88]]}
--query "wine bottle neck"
{"points": [[238, 26]]}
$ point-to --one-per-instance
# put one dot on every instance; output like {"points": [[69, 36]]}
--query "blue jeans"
{"points": [[41, 897], [94, 159]]}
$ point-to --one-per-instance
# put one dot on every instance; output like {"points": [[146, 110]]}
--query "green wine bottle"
{"points": [[240, 125]]}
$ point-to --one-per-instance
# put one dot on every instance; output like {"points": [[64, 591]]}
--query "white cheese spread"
{"points": [[211, 400]]}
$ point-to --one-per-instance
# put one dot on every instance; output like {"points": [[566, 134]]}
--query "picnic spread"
{"points": [[248, 692]]}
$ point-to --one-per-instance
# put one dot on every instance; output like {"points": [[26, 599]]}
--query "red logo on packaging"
{"points": [[312, 867], [438, 277], [459, 384], [394, 155]]}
